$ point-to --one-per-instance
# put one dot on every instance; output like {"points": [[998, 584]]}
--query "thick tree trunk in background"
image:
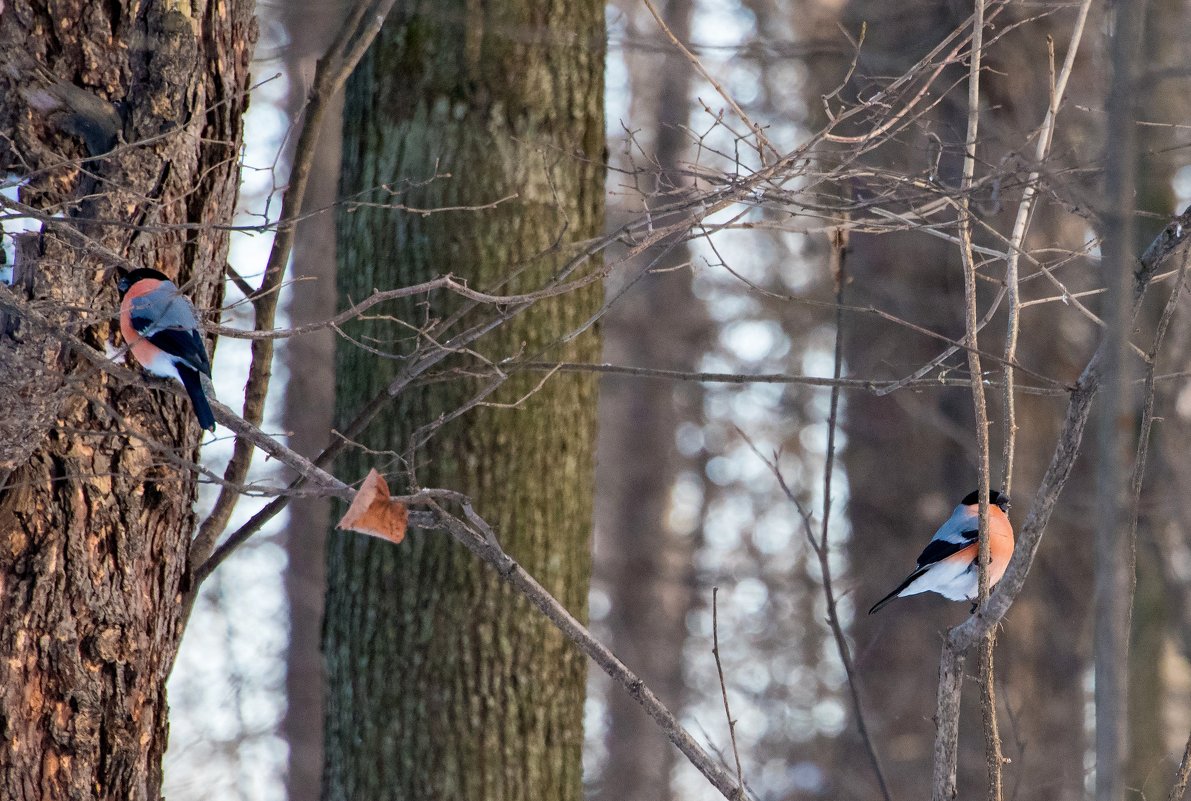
{"points": [[646, 566], [94, 524], [309, 404], [443, 683]]}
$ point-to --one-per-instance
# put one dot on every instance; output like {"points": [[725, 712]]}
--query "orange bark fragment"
{"points": [[374, 512]]}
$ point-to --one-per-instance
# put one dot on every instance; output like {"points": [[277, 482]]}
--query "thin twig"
{"points": [[923, 91], [822, 553], [1179, 789], [861, 384], [994, 759], [362, 26], [839, 277], [922, 371], [446, 282], [893, 318], [719, 668], [1147, 409], [1021, 224], [944, 784], [819, 546], [762, 142]]}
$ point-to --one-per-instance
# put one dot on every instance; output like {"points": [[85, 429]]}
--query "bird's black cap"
{"points": [[125, 279], [995, 497]]}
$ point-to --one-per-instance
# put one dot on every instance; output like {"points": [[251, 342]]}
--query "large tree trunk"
{"points": [[94, 521], [443, 683]]}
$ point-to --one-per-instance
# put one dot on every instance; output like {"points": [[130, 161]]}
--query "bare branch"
{"points": [[944, 785], [762, 143], [719, 667], [861, 384], [819, 546], [924, 90], [839, 277], [1179, 788], [362, 26], [483, 544], [1021, 225], [1067, 448]]}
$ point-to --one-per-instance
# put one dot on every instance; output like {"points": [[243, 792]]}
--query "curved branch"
{"points": [[1174, 235], [362, 26]]}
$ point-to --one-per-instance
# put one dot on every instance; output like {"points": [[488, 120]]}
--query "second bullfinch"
{"points": [[948, 563], [161, 329]]}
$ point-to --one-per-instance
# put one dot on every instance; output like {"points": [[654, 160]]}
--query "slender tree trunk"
{"points": [[443, 684], [646, 566], [94, 522], [1150, 762], [1118, 408], [309, 405]]}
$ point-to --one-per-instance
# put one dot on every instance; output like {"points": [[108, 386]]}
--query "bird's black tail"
{"points": [[879, 605], [194, 388], [909, 579]]}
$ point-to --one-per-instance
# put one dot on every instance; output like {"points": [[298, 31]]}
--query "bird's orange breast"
{"points": [[1000, 545], [141, 349]]}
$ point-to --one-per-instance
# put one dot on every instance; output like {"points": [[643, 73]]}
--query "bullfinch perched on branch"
{"points": [[161, 329], [948, 563]]}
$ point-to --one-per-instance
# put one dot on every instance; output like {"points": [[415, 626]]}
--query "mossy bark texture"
{"points": [[443, 683]]}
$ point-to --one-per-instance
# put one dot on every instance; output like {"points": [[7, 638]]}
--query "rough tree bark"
{"points": [[443, 683], [94, 522]]}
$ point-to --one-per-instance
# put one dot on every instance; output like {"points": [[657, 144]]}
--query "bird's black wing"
{"points": [[186, 344], [167, 320], [938, 550]]}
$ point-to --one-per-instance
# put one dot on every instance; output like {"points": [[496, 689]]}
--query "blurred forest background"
{"points": [[684, 502]]}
